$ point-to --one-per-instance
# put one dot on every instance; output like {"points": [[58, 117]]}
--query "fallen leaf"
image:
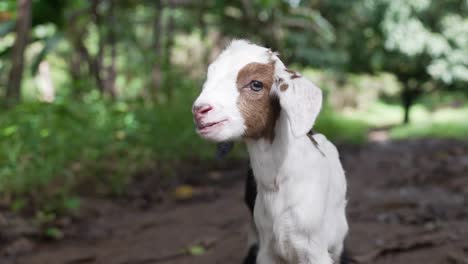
{"points": [[184, 192], [54, 233], [196, 250]]}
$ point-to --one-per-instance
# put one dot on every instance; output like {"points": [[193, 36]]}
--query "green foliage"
{"points": [[48, 11], [6, 27], [49, 45], [53, 233], [196, 250], [437, 31], [47, 150], [8, 6], [417, 40]]}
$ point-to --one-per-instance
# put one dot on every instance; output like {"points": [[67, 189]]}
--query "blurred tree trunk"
{"points": [[75, 73], [104, 75], [407, 101], [111, 39], [167, 66], [202, 9], [156, 75], [77, 35], [23, 26], [276, 34], [79, 55], [412, 90], [96, 62]]}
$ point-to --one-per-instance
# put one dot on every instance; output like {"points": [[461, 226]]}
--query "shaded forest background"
{"points": [[92, 92]]}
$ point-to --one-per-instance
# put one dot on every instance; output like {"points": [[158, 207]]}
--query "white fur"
{"points": [[300, 206], [301, 102]]}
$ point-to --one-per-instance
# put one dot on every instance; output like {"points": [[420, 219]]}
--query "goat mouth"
{"points": [[204, 128]]}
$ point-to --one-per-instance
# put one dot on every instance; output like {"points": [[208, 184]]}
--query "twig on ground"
{"points": [[457, 258], [409, 243]]}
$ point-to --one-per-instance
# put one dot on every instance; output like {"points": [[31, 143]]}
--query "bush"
{"points": [[46, 150]]}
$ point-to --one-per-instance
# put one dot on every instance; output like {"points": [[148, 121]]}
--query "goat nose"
{"points": [[200, 110]]}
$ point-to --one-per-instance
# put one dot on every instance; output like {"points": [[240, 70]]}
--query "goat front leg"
{"points": [[337, 254], [267, 256], [310, 252], [318, 256], [253, 245], [306, 255]]}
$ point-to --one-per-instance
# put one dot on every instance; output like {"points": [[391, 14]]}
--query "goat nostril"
{"points": [[202, 109], [205, 109]]}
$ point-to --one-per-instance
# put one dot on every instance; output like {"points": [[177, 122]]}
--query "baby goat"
{"points": [[301, 187]]}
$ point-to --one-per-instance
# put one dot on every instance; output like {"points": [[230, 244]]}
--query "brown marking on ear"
{"points": [[284, 87], [294, 74], [259, 109]]}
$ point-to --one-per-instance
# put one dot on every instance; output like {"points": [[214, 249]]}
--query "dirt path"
{"points": [[408, 204]]}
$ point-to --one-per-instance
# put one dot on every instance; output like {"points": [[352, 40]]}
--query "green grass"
{"points": [[377, 114], [440, 123], [340, 128], [443, 123]]}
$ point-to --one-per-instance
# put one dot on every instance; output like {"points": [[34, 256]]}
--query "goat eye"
{"points": [[256, 85]]}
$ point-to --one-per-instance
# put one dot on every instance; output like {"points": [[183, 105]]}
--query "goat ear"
{"points": [[300, 99]]}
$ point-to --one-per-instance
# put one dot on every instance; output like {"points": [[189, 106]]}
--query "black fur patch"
{"points": [[345, 257], [250, 191], [251, 257], [223, 148]]}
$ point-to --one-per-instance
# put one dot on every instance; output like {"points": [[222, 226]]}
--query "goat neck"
{"points": [[268, 156]]}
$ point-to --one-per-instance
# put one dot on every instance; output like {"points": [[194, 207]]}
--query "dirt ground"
{"points": [[407, 204]]}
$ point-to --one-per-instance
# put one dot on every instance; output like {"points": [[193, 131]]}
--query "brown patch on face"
{"points": [[284, 87], [259, 109], [294, 74]]}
